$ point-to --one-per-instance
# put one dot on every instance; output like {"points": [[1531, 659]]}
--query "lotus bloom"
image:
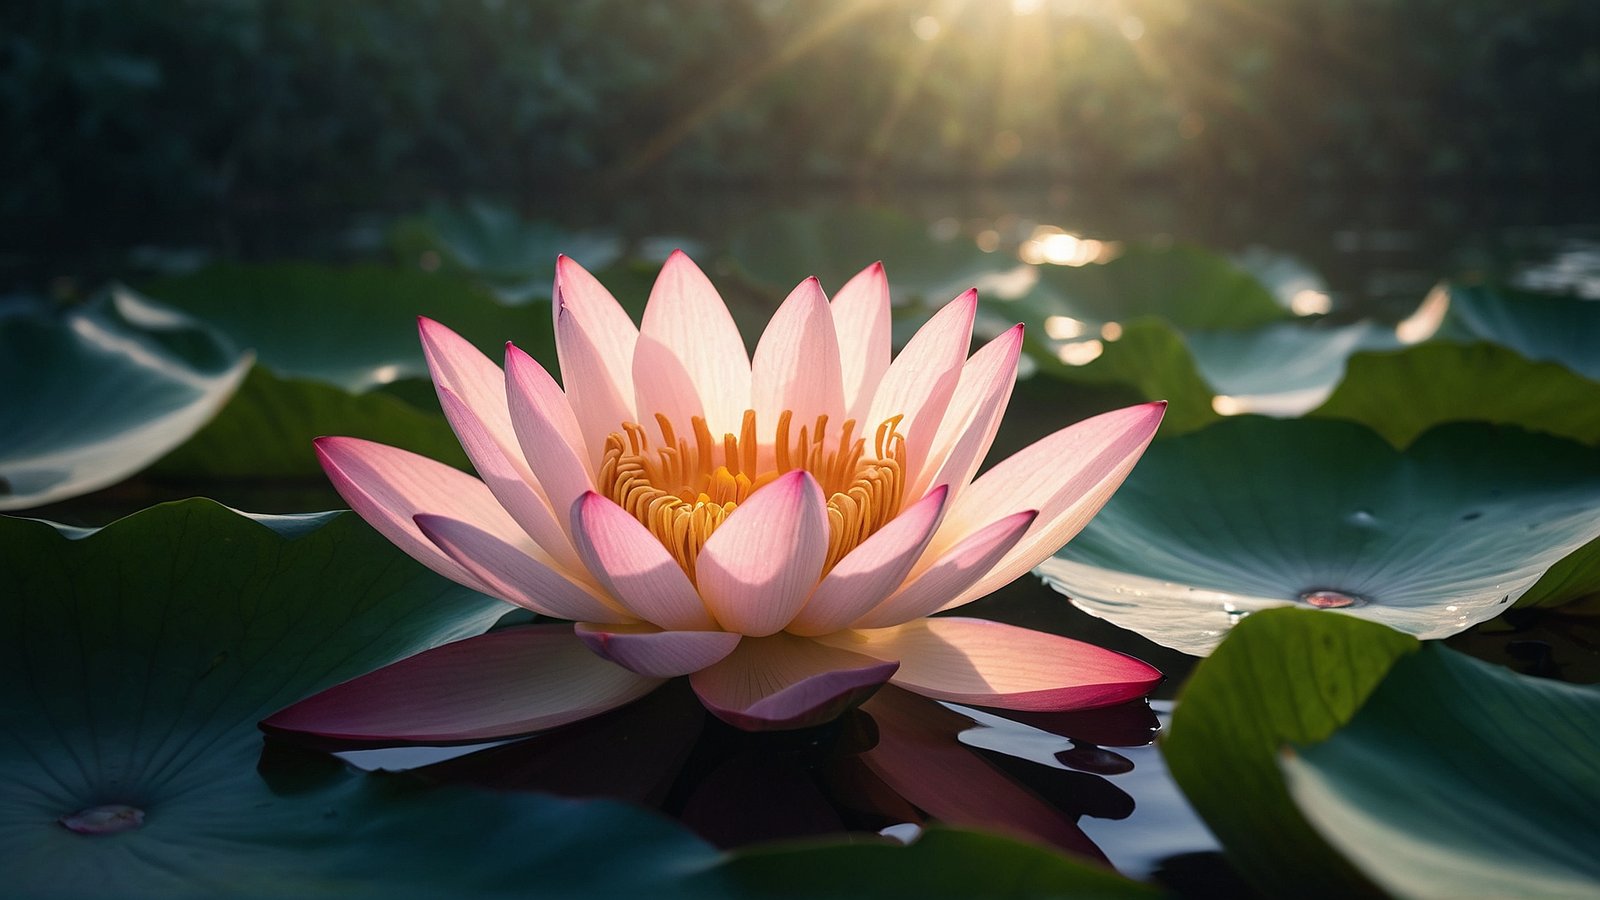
{"points": [[779, 528]]}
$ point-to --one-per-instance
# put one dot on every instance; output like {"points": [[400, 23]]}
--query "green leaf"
{"points": [[1281, 369], [779, 250], [941, 863], [356, 327], [265, 433], [1150, 357], [1459, 778], [1287, 676], [1575, 578], [136, 660], [1546, 327], [516, 258], [1403, 393], [1253, 513], [1188, 287], [101, 391]]}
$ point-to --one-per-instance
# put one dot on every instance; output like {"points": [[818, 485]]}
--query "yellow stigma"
{"points": [[682, 491]]}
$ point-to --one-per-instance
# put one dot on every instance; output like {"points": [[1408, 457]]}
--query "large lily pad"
{"points": [[1253, 513], [1460, 778], [1282, 677], [137, 659], [1401, 394], [1548, 327], [99, 392], [778, 250], [354, 327], [1283, 368], [514, 257], [265, 433]]}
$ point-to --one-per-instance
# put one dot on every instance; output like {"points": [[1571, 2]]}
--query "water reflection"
{"points": [[884, 770]]}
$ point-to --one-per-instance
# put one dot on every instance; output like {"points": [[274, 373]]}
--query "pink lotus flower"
{"points": [[779, 528]]}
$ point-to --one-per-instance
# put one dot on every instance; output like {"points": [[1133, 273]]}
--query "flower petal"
{"points": [[920, 757], [972, 419], [459, 367], [1067, 477], [633, 566], [958, 569], [655, 653], [921, 379], [873, 570], [861, 321], [551, 440], [516, 576], [783, 681], [757, 569], [992, 664], [595, 340], [388, 486], [796, 364], [513, 484], [501, 684], [690, 360]]}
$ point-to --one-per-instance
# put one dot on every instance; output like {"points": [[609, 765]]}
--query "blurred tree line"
{"points": [[161, 107]]}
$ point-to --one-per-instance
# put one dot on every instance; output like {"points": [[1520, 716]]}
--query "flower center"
{"points": [[684, 490]]}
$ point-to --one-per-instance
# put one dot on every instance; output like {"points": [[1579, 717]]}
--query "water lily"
{"points": [[780, 527]]}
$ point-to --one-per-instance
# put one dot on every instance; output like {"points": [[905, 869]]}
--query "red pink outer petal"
{"points": [[992, 664], [655, 653], [783, 681], [497, 685]]}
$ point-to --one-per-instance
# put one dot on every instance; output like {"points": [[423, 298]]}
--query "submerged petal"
{"points": [[782, 681], [501, 684], [991, 664], [651, 651]]}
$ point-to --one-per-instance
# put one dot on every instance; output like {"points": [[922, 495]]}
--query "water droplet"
{"points": [[1326, 599], [108, 819], [1362, 518], [1470, 516]]}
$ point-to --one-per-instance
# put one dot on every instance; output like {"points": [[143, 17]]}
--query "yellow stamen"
{"points": [[682, 492]]}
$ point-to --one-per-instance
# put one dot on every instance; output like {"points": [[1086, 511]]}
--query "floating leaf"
{"points": [[1150, 357], [356, 327], [1403, 393], [1254, 513], [266, 431], [137, 659], [1282, 676], [102, 391], [1280, 369], [516, 258], [1459, 778], [1546, 327]]}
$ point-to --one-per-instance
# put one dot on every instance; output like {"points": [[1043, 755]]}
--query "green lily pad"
{"points": [[1546, 327], [265, 433], [1402, 393], [101, 391], [514, 257], [137, 659], [1283, 676], [1575, 578], [1460, 778], [1253, 513], [779, 250], [1282, 368], [355, 327], [1186, 286], [1148, 356], [941, 863]]}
